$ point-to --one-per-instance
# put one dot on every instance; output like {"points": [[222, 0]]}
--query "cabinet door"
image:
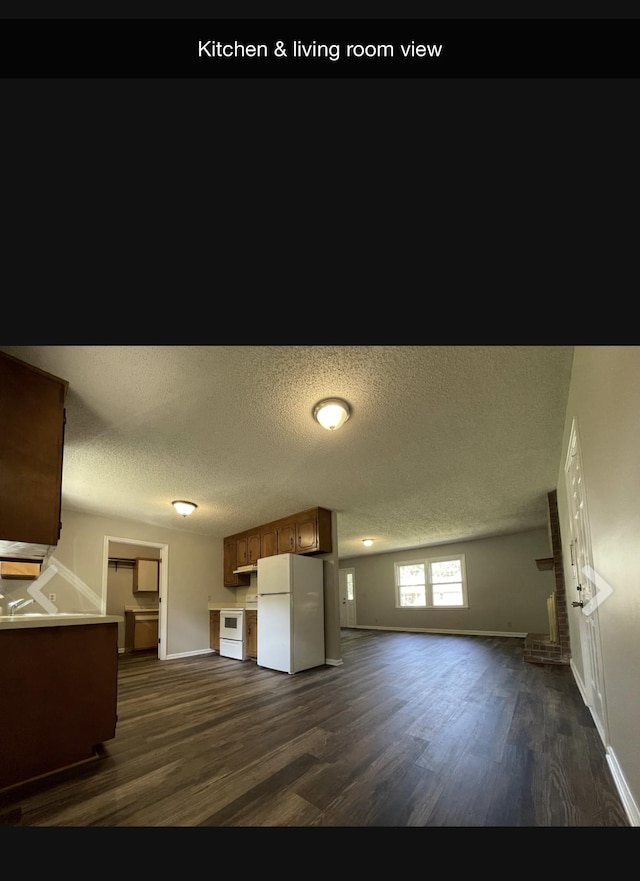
{"points": [[252, 633], [253, 547], [214, 630], [242, 552], [313, 532], [32, 420], [269, 542], [231, 562], [145, 633], [307, 535], [145, 575], [287, 537]]}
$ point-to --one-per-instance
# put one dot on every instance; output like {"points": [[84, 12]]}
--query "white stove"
{"points": [[233, 631]]}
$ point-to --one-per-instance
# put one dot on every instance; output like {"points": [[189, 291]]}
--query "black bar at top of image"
{"points": [[320, 49]]}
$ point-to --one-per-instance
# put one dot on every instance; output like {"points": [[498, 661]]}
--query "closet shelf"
{"points": [[127, 562]]}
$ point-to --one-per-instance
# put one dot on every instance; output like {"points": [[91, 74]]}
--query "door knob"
{"points": [[577, 604]]}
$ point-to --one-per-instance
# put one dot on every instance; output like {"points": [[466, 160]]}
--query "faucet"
{"points": [[18, 604]]}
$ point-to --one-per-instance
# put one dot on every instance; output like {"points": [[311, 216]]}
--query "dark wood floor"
{"points": [[412, 730]]}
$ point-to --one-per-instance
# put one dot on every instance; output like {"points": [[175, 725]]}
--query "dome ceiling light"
{"points": [[367, 542], [184, 508], [331, 413]]}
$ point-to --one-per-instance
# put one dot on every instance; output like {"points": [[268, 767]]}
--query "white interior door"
{"points": [[347, 597], [587, 595]]}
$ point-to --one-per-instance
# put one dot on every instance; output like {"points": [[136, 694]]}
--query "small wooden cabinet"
{"points": [[251, 644], [308, 532], [32, 420], [141, 630], [214, 629], [146, 574]]}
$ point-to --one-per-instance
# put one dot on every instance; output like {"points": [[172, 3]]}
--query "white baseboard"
{"points": [[436, 630]]}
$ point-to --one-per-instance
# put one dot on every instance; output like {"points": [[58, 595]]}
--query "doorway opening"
{"points": [[136, 548]]}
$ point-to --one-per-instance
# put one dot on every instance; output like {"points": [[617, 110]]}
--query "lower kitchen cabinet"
{"points": [[214, 629], [59, 697], [251, 645], [141, 630]]}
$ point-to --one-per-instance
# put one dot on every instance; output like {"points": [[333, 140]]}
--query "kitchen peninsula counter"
{"points": [[63, 619], [59, 695]]}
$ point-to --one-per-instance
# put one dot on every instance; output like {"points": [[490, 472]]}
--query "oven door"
{"points": [[232, 624]]}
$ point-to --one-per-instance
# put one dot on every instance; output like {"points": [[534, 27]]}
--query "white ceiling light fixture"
{"points": [[184, 508], [367, 542], [331, 413]]}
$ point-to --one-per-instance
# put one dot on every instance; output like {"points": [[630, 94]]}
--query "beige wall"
{"points": [[194, 571], [604, 398], [507, 593]]}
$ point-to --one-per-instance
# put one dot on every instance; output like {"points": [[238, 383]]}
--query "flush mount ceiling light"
{"points": [[331, 413], [184, 508], [367, 542]]}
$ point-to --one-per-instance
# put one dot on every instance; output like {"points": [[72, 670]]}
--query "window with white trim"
{"points": [[434, 583]]}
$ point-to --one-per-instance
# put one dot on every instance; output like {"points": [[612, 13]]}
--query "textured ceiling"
{"points": [[444, 442]]}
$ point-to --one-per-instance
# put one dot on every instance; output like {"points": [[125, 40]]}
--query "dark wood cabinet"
{"points": [[232, 579], [32, 417], [286, 532], [313, 531], [268, 541], [253, 547], [242, 553], [308, 532], [59, 697], [251, 644], [214, 629]]}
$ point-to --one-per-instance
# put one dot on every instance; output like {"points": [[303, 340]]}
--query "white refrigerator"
{"points": [[290, 612]]}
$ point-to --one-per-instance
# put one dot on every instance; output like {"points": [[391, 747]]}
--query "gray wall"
{"points": [[506, 591], [604, 398]]}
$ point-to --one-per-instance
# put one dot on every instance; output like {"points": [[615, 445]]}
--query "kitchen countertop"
{"points": [[19, 622], [215, 607]]}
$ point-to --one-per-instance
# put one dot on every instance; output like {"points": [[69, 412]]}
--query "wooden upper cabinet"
{"points": [[286, 532], [269, 541], [313, 532], [308, 532], [231, 562], [32, 420], [253, 547], [242, 553]]}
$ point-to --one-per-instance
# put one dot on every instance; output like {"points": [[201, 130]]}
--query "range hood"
{"points": [[253, 567], [25, 552]]}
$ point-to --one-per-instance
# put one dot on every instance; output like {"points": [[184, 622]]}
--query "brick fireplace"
{"points": [[552, 647]]}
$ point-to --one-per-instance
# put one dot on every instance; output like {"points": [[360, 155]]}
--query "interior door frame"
{"points": [[163, 583]]}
